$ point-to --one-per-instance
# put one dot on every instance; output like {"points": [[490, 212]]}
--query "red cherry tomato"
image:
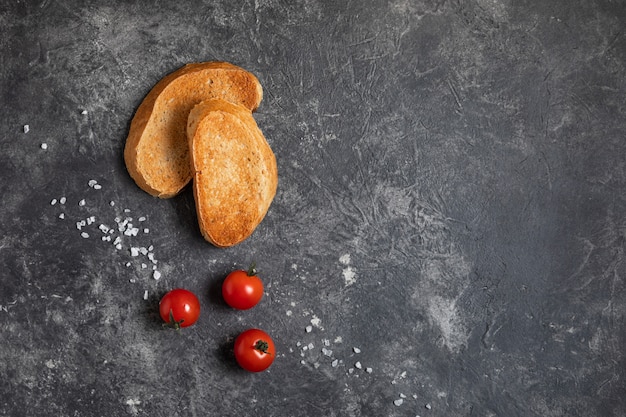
{"points": [[242, 289], [179, 308], [254, 350]]}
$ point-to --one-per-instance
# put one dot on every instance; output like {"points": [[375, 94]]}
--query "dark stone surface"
{"points": [[451, 203]]}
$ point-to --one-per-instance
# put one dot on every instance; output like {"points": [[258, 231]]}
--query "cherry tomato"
{"points": [[254, 350], [179, 308], [242, 289]]}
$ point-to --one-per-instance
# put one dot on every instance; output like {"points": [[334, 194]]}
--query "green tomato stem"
{"points": [[262, 346]]}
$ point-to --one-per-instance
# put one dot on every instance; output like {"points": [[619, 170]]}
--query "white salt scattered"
{"points": [[309, 329], [26, 128], [369, 370], [85, 235], [62, 200], [84, 112], [428, 406], [398, 402], [356, 350], [53, 202], [156, 275], [145, 295], [44, 146], [62, 216], [334, 363], [358, 365], [82, 202]]}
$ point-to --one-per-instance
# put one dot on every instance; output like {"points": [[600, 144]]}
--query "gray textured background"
{"points": [[450, 219]]}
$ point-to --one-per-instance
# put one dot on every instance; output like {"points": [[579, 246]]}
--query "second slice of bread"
{"points": [[234, 171], [156, 152]]}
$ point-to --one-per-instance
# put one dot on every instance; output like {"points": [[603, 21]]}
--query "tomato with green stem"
{"points": [[179, 308], [242, 289], [254, 350]]}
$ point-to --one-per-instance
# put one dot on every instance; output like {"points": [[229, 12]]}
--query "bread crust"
{"points": [[156, 153], [235, 175]]}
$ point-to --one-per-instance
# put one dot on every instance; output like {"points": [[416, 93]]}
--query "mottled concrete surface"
{"points": [[448, 236]]}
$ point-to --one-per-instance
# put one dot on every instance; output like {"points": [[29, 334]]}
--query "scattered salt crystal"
{"points": [[309, 329], [44, 146], [143, 266], [62, 200], [81, 202], [156, 275], [142, 219], [358, 365], [428, 406], [53, 202], [146, 230], [398, 402], [311, 346], [97, 187], [402, 395], [145, 295], [85, 235], [111, 203], [84, 112], [356, 350], [91, 183], [327, 352], [26, 128], [134, 252], [334, 363], [62, 216], [369, 370]]}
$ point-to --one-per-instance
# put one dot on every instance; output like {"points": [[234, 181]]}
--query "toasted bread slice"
{"points": [[234, 171], [157, 152]]}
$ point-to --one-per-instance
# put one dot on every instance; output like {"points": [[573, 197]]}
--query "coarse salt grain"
{"points": [[85, 235], [53, 202], [398, 402], [26, 128], [44, 146], [62, 200], [145, 295], [156, 275]]}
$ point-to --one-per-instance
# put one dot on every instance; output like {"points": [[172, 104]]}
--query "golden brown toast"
{"points": [[234, 171], [157, 151]]}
